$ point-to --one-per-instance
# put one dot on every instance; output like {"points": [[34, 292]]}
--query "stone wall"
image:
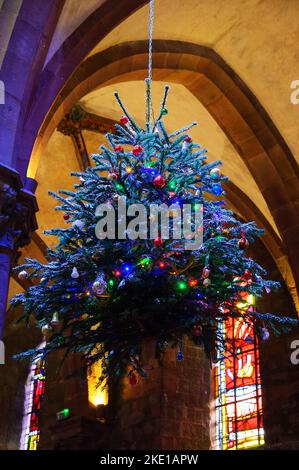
{"points": [[170, 408], [280, 381], [280, 378]]}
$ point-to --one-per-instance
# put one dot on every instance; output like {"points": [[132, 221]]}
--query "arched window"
{"points": [[239, 412], [34, 393], [97, 395]]}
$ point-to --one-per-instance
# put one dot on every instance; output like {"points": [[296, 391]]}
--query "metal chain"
{"points": [[150, 111], [150, 45]]}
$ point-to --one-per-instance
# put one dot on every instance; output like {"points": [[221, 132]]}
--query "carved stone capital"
{"points": [[17, 212]]}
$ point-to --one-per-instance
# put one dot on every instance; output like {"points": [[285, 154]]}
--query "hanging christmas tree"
{"points": [[104, 297], [104, 292]]}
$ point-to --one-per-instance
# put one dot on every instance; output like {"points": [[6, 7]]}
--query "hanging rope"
{"points": [[149, 104]]}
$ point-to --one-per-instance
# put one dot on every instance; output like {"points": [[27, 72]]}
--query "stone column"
{"points": [[17, 221], [170, 409]]}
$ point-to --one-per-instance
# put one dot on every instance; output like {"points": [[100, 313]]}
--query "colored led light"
{"points": [[181, 285]]}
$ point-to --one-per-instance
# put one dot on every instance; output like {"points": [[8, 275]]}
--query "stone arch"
{"points": [[228, 99], [64, 62]]}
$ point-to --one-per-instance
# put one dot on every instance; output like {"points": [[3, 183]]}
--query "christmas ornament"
{"points": [[55, 319], [23, 275], [99, 286], [124, 120], [215, 173], [188, 139], [206, 272], [112, 176], [158, 242], [78, 224], [66, 216], [118, 148], [46, 331], [196, 330], [265, 334], [75, 273], [159, 182], [243, 243], [180, 356], [164, 111], [137, 149], [217, 189], [133, 378], [207, 282], [247, 275]]}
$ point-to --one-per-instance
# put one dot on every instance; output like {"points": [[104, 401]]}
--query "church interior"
{"points": [[231, 66]]}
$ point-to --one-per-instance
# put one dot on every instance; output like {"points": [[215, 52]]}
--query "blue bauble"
{"points": [[180, 356], [150, 173], [217, 189]]}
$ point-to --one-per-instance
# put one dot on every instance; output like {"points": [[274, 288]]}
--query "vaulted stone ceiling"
{"points": [[258, 39]]}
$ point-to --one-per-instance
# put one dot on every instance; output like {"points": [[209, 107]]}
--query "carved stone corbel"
{"points": [[17, 221]]}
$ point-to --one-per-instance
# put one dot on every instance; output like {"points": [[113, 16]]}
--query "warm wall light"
{"points": [[96, 394]]}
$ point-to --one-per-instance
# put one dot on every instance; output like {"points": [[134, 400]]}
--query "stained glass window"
{"points": [[239, 412], [34, 393]]}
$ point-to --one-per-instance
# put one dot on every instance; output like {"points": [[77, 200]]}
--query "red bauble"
{"points": [[66, 217], [243, 243], [196, 330], [159, 181], [188, 139], [112, 176], [124, 120], [206, 272], [158, 242], [133, 379], [118, 148], [247, 275], [137, 149]]}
